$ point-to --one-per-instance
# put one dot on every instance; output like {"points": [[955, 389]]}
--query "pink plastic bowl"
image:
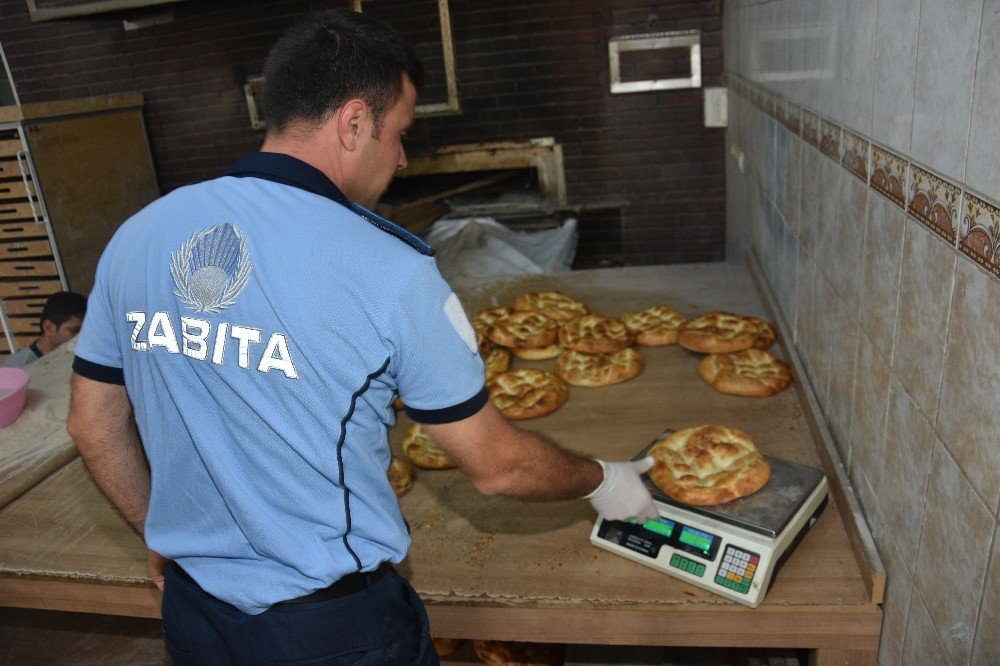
{"points": [[13, 392]]}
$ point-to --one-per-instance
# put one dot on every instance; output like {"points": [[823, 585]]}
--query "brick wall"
{"points": [[525, 68]]}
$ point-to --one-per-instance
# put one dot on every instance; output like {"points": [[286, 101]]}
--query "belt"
{"points": [[349, 584]]}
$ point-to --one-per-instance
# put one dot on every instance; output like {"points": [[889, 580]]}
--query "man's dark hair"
{"points": [[332, 57], [61, 306]]}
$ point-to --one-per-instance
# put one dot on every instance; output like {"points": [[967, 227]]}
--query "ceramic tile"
{"points": [[983, 169], [809, 198], [986, 646], [935, 202], [969, 416], [883, 257], [855, 73], [909, 444], [921, 645], [793, 117], [820, 354], [805, 276], [814, 57], [828, 229], [829, 141], [846, 269], [889, 175], [947, 42], [895, 65], [979, 232], [855, 157], [871, 400], [922, 316], [952, 542], [898, 592], [810, 127], [843, 358], [793, 183]]}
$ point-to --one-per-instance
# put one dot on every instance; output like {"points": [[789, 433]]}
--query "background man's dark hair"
{"points": [[330, 58], [61, 306]]}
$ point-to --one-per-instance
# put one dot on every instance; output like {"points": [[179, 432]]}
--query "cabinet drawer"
{"points": [[25, 249], [17, 210], [9, 168], [25, 307], [10, 147], [24, 325], [23, 229], [15, 189], [28, 268], [10, 289]]}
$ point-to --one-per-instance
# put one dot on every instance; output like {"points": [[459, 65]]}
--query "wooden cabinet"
{"points": [[70, 173]]}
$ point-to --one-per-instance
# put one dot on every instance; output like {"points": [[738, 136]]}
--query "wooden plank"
{"points": [[9, 167], [843, 657], [10, 148], [24, 325], [24, 306], [15, 189], [70, 107]]}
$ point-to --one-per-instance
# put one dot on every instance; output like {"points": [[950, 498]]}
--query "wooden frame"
{"points": [[88, 8], [661, 40]]}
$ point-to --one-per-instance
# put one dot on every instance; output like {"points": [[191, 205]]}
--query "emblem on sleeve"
{"points": [[211, 268]]}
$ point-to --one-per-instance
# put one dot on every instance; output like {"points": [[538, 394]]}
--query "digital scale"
{"points": [[733, 549]]}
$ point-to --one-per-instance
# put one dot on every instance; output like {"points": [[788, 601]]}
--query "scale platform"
{"points": [[733, 549]]}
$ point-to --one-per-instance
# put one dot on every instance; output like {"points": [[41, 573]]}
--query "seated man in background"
{"points": [[60, 321]]}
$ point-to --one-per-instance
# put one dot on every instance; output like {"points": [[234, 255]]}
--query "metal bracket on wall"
{"points": [[690, 39]]}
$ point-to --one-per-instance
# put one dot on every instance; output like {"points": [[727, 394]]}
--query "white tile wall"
{"points": [[983, 169], [894, 72]]}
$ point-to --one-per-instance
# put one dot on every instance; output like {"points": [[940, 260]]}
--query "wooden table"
{"points": [[497, 568]]}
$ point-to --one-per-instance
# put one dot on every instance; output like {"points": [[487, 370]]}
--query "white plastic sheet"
{"points": [[481, 246]]}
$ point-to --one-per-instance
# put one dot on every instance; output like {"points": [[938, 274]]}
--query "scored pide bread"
{"points": [[594, 334], [526, 393], [497, 360], [723, 332], [654, 327], [581, 369], [523, 329], [400, 475], [482, 320], [421, 450], [751, 372], [708, 465], [552, 304]]}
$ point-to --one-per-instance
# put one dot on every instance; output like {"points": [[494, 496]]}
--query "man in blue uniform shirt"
{"points": [[247, 337]]}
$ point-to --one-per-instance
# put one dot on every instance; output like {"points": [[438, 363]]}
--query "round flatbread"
{"points": [[526, 393], [594, 334], [552, 304], [523, 330], [400, 475], [708, 465], [718, 333], [483, 319], [538, 353], [446, 646], [766, 335], [581, 369], [511, 653], [751, 372], [654, 327], [422, 451], [497, 361]]}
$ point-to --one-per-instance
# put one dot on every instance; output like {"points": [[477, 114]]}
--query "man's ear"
{"points": [[351, 118], [49, 328]]}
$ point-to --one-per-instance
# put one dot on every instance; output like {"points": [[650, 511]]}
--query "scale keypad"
{"points": [[737, 569], [684, 564]]}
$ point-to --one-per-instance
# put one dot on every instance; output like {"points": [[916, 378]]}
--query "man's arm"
{"points": [[102, 424], [503, 460]]}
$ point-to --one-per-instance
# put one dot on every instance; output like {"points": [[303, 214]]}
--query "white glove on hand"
{"points": [[622, 495]]}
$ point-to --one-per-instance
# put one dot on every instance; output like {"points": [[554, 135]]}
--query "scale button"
{"points": [[699, 569], [754, 559]]}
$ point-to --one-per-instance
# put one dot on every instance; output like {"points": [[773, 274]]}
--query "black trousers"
{"points": [[382, 624]]}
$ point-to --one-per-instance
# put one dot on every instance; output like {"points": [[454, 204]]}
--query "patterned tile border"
{"points": [[967, 220], [979, 231], [889, 175], [935, 202]]}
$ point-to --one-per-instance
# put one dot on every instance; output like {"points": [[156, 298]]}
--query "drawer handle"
{"points": [[24, 176]]}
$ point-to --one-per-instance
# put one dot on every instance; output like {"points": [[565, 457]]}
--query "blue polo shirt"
{"points": [[262, 326]]}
